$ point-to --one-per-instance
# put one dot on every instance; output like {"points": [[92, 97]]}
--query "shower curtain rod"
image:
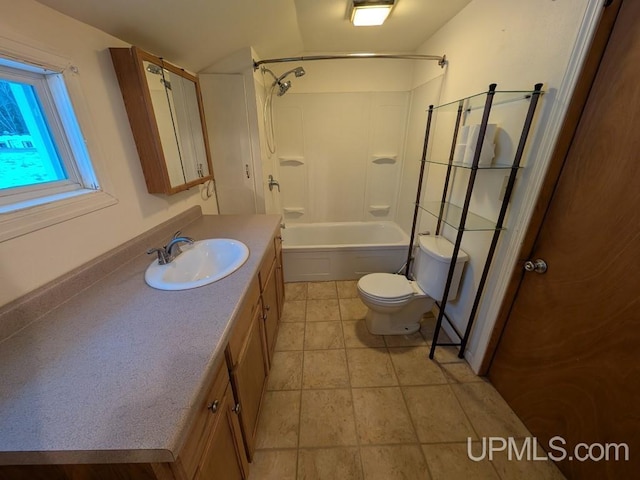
{"points": [[442, 60]]}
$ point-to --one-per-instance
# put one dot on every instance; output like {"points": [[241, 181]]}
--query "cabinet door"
{"points": [[270, 309], [207, 413], [249, 379], [167, 122], [224, 457], [279, 274]]}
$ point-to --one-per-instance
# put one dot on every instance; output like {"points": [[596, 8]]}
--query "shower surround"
{"points": [[339, 155], [348, 143]]}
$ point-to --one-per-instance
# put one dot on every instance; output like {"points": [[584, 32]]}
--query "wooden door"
{"points": [[225, 108], [568, 361]]}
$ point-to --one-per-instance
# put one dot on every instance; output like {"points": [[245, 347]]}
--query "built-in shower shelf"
{"points": [[384, 159], [293, 211], [291, 161], [379, 209]]}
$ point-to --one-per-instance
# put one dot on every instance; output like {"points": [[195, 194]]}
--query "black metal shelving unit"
{"points": [[460, 218]]}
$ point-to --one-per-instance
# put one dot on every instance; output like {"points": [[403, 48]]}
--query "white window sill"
{"points": [[29, 216]]}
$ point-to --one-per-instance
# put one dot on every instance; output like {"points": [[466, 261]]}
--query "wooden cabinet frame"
{"points": [[129, 67]]}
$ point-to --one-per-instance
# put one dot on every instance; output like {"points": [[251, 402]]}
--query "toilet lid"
{"points": [[386, 286]]}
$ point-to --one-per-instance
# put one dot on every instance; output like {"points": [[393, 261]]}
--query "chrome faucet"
{"points": [[173, 247], [171, 250]]}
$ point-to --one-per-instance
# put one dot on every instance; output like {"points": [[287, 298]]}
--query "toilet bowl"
{"points": [[395, 304]]}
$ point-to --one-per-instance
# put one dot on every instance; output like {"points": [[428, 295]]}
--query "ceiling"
{"points": [[197, 33]]}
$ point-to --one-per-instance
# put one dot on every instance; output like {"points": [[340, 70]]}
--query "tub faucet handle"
{"points": [[273, 183]]}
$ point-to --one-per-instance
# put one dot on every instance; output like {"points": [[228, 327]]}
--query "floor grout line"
{"points": [[353, 404], [413, 423]]}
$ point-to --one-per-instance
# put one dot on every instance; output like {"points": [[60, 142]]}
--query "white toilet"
{"points": [[396, 304]]}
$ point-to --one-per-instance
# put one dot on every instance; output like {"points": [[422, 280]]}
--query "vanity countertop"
{"points": [[113, 374]]}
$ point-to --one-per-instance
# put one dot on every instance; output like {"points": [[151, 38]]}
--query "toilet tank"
{"points": [[432, 266]]}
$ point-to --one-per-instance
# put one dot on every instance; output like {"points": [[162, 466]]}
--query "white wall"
{"points": [[513, 44], [421, 97], [31, 260]]}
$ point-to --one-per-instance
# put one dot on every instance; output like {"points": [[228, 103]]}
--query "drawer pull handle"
{"points": [[213, 406], [236, 409], [267, 308]]}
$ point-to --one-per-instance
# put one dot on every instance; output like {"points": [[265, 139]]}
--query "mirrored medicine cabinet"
{"points": [[164, 106]]}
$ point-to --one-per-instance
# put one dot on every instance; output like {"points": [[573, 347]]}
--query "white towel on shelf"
{"points": [[488, 145], [461, 145]]}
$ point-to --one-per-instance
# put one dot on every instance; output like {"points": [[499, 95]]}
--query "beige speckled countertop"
{"points": [[112, 374]]}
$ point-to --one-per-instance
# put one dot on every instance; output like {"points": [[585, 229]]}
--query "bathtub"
{"points": [[341, 251]]}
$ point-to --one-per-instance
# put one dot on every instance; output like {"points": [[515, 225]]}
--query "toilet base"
{"points": [[378, 327], [403, 322]]}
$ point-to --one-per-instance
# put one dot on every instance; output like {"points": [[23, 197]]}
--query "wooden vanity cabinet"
{"points": [[212, 450], [248, 364], [221, 440]]}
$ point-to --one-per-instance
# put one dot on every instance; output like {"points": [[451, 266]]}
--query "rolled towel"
{"points": [[488, 145]]}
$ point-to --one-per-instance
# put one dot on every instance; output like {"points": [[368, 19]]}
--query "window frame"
{"points": [[40, 205]]}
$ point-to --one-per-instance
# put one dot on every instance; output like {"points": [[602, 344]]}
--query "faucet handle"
{"points": [[177, 234], [162, 255]]}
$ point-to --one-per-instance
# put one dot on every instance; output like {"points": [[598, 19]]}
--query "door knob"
{"points": [[538, 265]]}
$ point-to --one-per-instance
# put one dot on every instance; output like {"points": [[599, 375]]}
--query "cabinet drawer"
{"points": [[207, 413], [243, 323], [266, 265]]}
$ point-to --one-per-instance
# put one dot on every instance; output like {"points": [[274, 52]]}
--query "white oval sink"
{"points": [[201, 263]]}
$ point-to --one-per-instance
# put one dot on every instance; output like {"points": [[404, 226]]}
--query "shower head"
{"points": [[283, 87], [278, 81], [298, 72]]}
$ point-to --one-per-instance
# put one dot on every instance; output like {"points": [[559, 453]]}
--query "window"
{"points": [[28, 152], [42, 151], [46, 174]]}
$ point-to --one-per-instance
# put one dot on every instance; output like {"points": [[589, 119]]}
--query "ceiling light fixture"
{"points": [[366, 13]]}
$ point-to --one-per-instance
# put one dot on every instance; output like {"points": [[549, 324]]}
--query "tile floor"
{"points": [[344, 404]]}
